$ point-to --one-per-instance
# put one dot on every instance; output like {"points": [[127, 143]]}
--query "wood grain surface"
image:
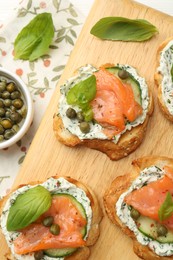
{"points": [[47, 157]]}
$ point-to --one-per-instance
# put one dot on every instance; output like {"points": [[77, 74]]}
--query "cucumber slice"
{"points": [[148, 227], [131, 81], [79, 207], [62, 252], [172, 72]]}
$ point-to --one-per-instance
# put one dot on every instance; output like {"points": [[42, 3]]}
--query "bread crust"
{"points": [[84, 252], [158, 77], [119, 186], [128, 142]]}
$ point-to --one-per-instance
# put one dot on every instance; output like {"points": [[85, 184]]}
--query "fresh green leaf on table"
{"points": [[123, 29], [28, 207], [34, 39], [166, 209]]}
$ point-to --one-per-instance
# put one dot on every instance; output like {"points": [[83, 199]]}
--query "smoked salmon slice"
{"points": [[114, 103], [148, 199], [38, 237]]}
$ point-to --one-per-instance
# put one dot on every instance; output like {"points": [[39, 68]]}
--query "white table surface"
{"points": [[166, 6]]}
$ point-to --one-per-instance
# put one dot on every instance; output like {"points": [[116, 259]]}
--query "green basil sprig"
{"points": [[28, 207], [81, 94], [34, 39], [123, 29], [166, 209]]}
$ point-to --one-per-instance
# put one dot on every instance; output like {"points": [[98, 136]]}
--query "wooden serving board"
{"points": [[47, 157]]}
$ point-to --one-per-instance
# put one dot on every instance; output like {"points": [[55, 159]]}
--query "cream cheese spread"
{"points": [[96, 129], [55, 186], [146, 176], [166, 63]]}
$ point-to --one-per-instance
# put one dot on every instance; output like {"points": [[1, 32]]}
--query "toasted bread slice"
{"points": [[158, 76], [127, 143], [121, 185], [94, 232]]}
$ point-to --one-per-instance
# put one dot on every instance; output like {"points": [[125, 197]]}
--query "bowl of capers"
{"points": [[16, 108]]}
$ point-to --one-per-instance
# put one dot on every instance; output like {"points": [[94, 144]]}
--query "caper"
{"points": [[7, 114], [1, 138], [16, 117], [15, 128], [134, 214], [55, 229], [2, 86], [15, 94], [5, 94], [38, 255], [70, 113], [48, 221], [8, 134], [12, 108], [123, 74], [3, 80], [23, 111], [84, 127], [7, 102], [2, 111], [1, 130], [17, 103], [80, 117], [1, 103], [6, 123], [161, 230], [11, 87]]}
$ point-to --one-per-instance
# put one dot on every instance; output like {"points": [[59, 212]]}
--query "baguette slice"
{"points": [[84, 252], [121, 185], [158, 76], [128, 142]]}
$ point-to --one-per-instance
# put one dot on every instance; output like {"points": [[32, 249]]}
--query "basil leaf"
{"points": [[28, 207], [81, 94], [34, 39], [166, 209], [88, 114], [123, 29]]}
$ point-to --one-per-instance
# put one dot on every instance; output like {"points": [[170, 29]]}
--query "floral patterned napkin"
{"points": [[42, 75]]}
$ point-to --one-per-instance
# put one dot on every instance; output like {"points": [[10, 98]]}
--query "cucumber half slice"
{"points": [[148, 227], [131, 81], [62, 252], [79, 207]]}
